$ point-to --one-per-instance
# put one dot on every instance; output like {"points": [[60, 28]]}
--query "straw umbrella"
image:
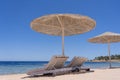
{"points": [[63, 25], [107, 37]]}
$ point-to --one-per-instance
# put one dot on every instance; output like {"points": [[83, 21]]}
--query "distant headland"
{"points": [[114, 58]]}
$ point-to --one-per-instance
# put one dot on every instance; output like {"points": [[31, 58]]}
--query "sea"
{"points": [[19, 67]]}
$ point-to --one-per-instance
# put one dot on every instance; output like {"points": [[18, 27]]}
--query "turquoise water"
{"points": [[16, 67]]}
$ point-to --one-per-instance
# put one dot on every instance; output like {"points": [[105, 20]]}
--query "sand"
{"points": [[98, 74]]}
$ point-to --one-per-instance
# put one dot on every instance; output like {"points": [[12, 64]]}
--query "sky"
{"points": [[18, 42]]}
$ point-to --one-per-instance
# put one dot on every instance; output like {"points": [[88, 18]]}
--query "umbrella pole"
{"points": [[109, 55], [63, 41], [62, 35]]}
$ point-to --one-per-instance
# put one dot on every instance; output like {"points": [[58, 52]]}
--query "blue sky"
{"points": [[18, 42]]}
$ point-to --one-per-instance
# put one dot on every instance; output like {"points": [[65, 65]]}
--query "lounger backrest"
{"points": [[76, 61], [51, 63], [72, 62], [80, 61], [60, 61], [56, 62]]}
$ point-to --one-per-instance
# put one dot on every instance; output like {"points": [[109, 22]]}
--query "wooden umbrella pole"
{"points": [[63, 41], [62, 29], [109, 55]]}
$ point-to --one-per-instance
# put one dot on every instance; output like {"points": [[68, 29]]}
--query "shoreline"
{"points": [[98, 74], [104, 61]]}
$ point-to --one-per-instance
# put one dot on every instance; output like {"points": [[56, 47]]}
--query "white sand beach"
{"points": [[98, 74]]}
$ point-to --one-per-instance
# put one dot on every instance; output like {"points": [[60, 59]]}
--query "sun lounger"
{"points": [[56, 62], [73, 67], [76, 64]]}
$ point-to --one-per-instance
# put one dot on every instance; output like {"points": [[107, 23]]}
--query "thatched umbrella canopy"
{"points": [[63, 25], [107, 37]]}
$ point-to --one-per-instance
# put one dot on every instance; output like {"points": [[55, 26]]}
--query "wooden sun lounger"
{"points": [[56, 62], [76, 64]]}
